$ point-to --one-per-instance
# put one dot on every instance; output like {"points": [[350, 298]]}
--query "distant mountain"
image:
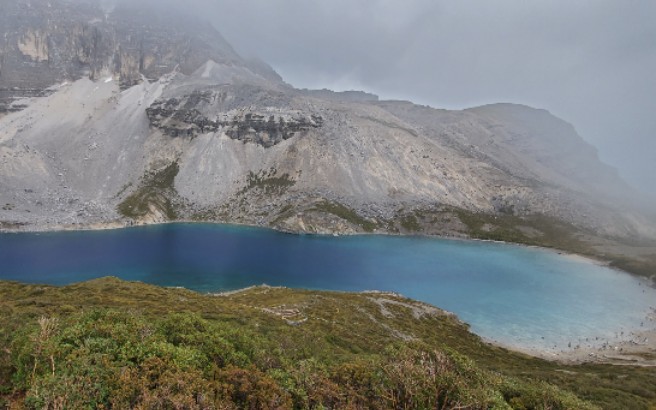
{"points": [[131, 114]]}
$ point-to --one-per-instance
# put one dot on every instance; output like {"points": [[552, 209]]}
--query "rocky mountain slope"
{"points": [[132, 115]]}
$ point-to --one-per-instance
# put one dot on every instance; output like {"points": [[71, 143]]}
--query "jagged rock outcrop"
{"points": [[269, 128], [201, 112]]}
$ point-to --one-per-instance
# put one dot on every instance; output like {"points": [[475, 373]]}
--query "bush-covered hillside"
{"points": [[114, 344]]}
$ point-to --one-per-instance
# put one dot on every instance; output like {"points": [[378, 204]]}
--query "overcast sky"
{"points": [[590, 62]]}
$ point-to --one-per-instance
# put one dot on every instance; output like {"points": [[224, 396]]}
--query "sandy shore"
{"points": [[636, 348]]}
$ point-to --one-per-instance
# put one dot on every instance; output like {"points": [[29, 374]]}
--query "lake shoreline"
{"points": [[640, 349], [124, 225], [637, 349], [593, 259]]}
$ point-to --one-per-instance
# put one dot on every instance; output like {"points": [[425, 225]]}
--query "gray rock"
{"points": [[100, 104]]}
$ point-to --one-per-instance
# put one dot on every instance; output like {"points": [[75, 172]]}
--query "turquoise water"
{"points": [[532, 298]]}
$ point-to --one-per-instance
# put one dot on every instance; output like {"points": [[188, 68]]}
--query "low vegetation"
{"points": [[546, 231], [410, 223], [346, 214], [113, 344], [645, 266], [268, 182], [156, 190]]}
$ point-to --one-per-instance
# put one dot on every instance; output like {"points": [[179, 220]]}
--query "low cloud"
{"points": [[591, 62]]}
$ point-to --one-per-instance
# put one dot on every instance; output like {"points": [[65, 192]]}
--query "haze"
{"points": [[592, 63]]}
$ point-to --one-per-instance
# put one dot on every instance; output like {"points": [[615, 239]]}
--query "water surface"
{"points": [[527, 297]]}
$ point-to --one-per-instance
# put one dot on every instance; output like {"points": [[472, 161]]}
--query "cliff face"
{"points": [[47, 42], [148, 92], [201, 112]]}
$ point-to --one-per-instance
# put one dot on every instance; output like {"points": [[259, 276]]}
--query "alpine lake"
{"points": [[530, 298]]}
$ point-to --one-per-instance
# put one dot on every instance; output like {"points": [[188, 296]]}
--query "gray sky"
{"points": [[590, 62]]}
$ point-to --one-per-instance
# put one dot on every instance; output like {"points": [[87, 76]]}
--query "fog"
{"points": [[590, 62]]}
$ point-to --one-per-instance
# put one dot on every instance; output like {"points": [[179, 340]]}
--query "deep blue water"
{"points": [[523, 296]]}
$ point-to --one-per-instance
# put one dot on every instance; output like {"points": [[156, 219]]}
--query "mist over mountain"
{"points": [[588, 62], [134, 113]]}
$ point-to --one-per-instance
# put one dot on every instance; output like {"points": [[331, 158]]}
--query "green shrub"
{"points": [[130, 345]]}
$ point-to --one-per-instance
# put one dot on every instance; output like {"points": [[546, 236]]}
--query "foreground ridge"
{"points": [[122, 344]]}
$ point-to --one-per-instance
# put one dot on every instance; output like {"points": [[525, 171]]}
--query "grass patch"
{"points": [[346, 214], [268, 182], [644, 266], [554, 233], [410, 223], [156, 190]]}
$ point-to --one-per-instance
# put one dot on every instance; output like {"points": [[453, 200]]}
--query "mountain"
{"points": [[47, 42], [130, 114]]}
